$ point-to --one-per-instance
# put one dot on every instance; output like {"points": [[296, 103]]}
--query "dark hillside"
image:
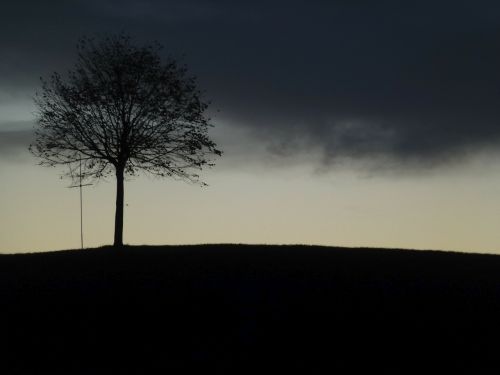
{"points": [[240, 308]]}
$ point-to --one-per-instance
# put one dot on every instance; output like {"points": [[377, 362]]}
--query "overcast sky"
{"points": [[380, 89]]}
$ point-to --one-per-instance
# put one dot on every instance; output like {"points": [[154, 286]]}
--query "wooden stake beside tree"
{"points": [[123, 109]]}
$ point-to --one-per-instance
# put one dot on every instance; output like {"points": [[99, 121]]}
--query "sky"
{"points": [[343, 123]]}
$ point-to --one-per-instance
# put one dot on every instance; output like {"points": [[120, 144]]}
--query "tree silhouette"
{"points": [[123, 109]]}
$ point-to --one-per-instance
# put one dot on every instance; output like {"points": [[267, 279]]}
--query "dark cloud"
{"points": [[416, 82]]}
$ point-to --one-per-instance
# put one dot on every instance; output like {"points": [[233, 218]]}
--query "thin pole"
{"points": [[80, 185], [81, 205]]}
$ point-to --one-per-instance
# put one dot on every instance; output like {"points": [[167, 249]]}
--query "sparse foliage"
{"points": [[123, 109]]}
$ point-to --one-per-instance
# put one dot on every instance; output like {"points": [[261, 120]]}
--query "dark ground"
{"points": [[241, 309]]}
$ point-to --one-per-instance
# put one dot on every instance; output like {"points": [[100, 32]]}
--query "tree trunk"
{"points": [[119, 207]]}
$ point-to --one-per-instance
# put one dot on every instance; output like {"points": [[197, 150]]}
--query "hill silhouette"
{"points": [[247, 308]]}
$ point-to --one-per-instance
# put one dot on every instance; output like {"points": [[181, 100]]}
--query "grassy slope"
{"points": [[236, 307]]}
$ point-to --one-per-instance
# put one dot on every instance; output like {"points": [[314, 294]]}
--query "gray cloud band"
{"points": [[14, 144]]}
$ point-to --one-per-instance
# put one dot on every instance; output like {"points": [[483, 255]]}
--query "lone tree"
{"points": [[120, 110]]}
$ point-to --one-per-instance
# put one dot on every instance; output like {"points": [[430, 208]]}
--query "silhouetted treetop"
{"points": [[123, 107]]}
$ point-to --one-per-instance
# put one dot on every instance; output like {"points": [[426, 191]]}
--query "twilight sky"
{"points": [[350, 123]]}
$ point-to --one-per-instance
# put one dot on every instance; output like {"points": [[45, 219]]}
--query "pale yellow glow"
{"points": [[453, 210]]}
